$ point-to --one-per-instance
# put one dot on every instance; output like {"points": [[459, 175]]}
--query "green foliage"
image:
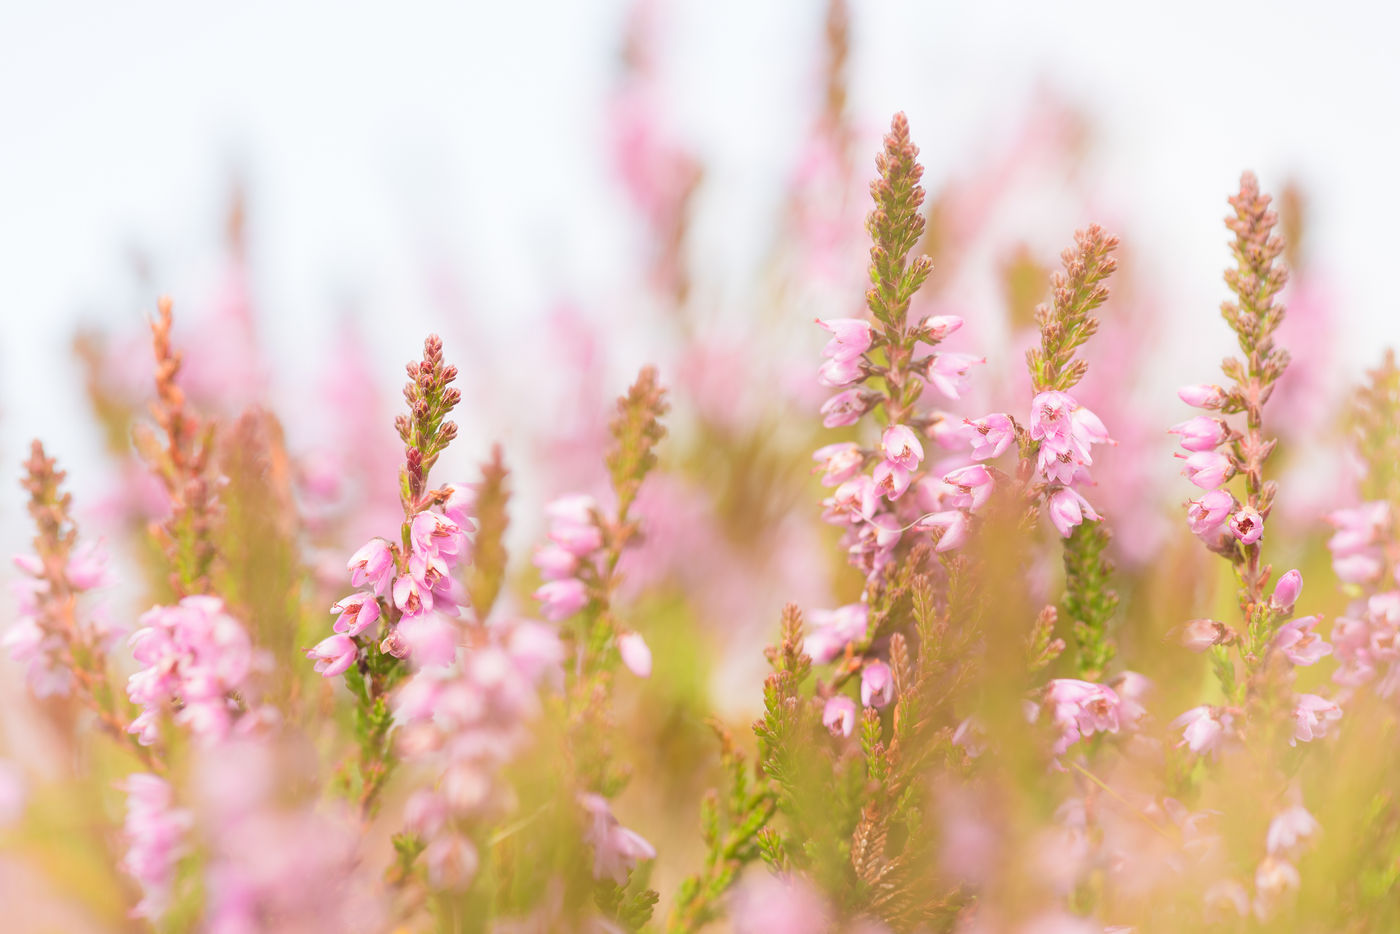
{"points": [[895, 225], [1090, 602], [488, 570], [636, 430], [1069, 321]]}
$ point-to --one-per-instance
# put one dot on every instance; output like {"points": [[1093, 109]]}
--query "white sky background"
{"points": [[377, 139]]}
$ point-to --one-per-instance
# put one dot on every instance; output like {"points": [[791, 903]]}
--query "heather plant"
{"points": [[304, 681]]}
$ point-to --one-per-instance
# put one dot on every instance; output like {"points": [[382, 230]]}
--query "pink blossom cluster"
{"points": [[1368, 643], [1216, 515], [155, 833], [463, 723], [1080, 709], [1358, 544], [196, 660], [616, 849], [27, 640]]}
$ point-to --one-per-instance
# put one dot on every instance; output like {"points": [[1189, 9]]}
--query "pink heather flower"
{"points": [[1057, 465], [1207, 469], [1205, 729], [635, 654], [411, 596], [1207, 514], [1290, 826], [1355, 546], [838, 462], [1081, 709], [1287, 591], [857, 497], [373, 564], [451, 860], [460, 504], [1200, 634], [769, 904], [1296, 640], [87, 566], [431, 639], [844, 408], [901, 446], [973, 486], [935, 328], [616, 850], [876, 684], [991, 434], [832, 630], [1087, 429], [1201, 433], [840, 372], [1202, 396], [891, 480], [1050, 418], [555, 563], [154, 833], [1272, 879], [562, 598], [949, 433], [358, 612], [839, 715], [1132, 688], [953, 524], [948, 372], [334, 655], [851, 337], [1311, 716], [571, 524], [1068, 509], [437, 536], [1247, 526]]}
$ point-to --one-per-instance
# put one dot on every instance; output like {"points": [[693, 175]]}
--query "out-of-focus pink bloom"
{"points": [[891, 480], [901, 446], [1287, 591], [876, 684], [1201, 433], [411, 596], [1290, 826], [840, 372], [154, 832], [1081, 709], [991, 434], [948, 373], [1068, 509], [780, 905], [431, 639], [562, 598], [1299, 643], [1247, 526], [1087, 429], [838, 462], [935, 328], [1208, 514], [571, 524], [850, 338], [635, 654], [1226, 900], [555, 563], [1207, 469], [1205, 728], [1311, 715], [372, 564], [451, 861], [358, 612], [87, 566], [460, 504], [1202, 396], [616, 850], [974, 486], [1200, 634], [844, 408], [1357, 557], [832, 630], [953, 524], [949, 433], [1132, 689], [839, 715], [334, 655], [1273, 879]]}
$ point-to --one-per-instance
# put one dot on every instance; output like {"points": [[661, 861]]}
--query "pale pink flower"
{"points": [[1296, 640], [572, 526], [1201, 433], [1200, 634], [832, 630], [1202, 396], [1290, 826], [1205, 728], [554, 562], [1287, 591], [430, 638], [460, 504], [1273, 879], [838, 462], [1209, 513], [616, 850], [876, 684], [451, 861], [839, 715], [1081, 709], [1207, 469], [856, 498], [991, 435], [1247, 526], [891, 480], [973, 484], [358, 612], [635, 654], [840, 372], [1050, 418], [948, 373], [1068, 509], [334, 655], [155, 833], [87, 566], [952, 523], [1311, 715], [844, 408], [935, 328], [851, 337], [902, 447], [780, 905], [561, 599], [372, 564], [1057, 465]]}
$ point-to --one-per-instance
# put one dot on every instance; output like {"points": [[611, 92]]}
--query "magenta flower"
{"points": [[358, 612], [1068, 509], [838, 462], [1205, 729], [851, 337], [334, 655], [1247, 526], [373, 564], [1207, 469], [1311, 715], [839, 715], [991, 434], [1296, 640], [844, 408], [1201, 433], [948, 373], [635, 654], [1206, 515], [561, 599], [1202, 396], [876, 684], [1287, 591]]}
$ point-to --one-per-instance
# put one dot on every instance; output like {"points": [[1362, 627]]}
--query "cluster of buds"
{"points": [[464, 723], [38, 638], [1081, 708], [1368, 644], [196, 659]]}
